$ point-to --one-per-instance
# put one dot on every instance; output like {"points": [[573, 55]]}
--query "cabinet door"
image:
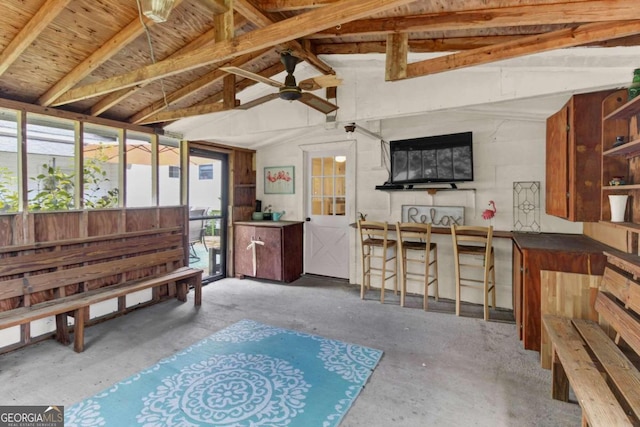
{"points": [[269, 255], [243, 257], [557, 174]]}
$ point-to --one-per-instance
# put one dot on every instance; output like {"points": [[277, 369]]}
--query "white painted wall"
{"points": [[504, 151]]}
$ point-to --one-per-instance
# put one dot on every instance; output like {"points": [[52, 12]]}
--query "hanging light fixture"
{"points": [[157, 10]]}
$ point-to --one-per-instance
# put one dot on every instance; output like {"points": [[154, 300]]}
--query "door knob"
{"points": [[308, 219]]}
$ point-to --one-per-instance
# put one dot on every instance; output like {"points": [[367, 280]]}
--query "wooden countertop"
{"points": [[447, 230], [559, 242], [268, 223]]}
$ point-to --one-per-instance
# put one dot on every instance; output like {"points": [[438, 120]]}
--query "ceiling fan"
{"points": [[290, 90]]}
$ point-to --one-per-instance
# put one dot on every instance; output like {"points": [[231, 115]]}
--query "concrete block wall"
{"points": [[505, 151]]}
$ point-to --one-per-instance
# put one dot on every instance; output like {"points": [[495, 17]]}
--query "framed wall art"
{"points": [[279, 180]]}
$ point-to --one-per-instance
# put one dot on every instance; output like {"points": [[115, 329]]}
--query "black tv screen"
{"points": [[442, 158]]}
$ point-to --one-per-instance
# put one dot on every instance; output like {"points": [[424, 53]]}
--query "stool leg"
{"points": [[486, 289], [403, 276], [493, 282], [435, 274], [457, 261], [395, 270], [425, 301], [384, 274], [364, 273]]}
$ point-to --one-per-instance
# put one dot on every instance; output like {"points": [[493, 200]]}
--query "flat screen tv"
{"points": [[442, 159]]}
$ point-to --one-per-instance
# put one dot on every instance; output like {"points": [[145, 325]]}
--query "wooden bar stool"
{"points": [[416, 238], [474, 243], [376, 245]]}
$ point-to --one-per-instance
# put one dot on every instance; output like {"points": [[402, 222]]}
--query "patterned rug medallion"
{"points": [[248, 374]]}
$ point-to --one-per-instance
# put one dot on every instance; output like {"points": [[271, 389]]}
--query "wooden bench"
{"points": [[600, 361], [63, 278]]}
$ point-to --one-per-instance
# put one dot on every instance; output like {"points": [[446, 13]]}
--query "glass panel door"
{"points": [[208, 212]]}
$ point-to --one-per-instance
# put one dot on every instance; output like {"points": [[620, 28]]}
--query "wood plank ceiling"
{"points": [[102, 58]]}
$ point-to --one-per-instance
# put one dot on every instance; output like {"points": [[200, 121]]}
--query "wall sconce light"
{"points": [[157, 10], [350, 129]]}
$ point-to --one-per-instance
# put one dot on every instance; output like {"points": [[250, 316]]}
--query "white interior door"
{"points": [[327, 227]]}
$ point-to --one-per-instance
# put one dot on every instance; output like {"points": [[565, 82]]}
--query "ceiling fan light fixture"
{"points": [[290, 93], [157, 10]]}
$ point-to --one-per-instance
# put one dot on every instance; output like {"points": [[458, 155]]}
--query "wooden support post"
{"points": [[78, 339], [62, 329], [396, 62]]}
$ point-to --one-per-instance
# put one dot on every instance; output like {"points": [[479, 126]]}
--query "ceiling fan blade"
{"points": [[258, 101], [317, 103], [319, 82], [253, 76]]}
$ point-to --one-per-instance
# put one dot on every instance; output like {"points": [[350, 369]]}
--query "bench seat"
{"points": [[599, 360], [66, 277]]}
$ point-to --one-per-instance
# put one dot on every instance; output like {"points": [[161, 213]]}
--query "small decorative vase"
{"points": [[634, 89], [618, 205]]}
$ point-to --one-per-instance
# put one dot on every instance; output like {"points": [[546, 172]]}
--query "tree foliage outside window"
{"points": [[55, 189], [8, 193]]}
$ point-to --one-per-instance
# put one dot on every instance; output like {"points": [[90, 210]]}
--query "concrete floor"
{"points": [[437, 369]]}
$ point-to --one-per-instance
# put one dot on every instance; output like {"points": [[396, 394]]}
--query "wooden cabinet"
{"points": [[573, 159], [620, 119], [532, 253], [278, 249]]}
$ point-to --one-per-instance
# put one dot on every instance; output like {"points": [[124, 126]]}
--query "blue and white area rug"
{"points": [[248, 374]]}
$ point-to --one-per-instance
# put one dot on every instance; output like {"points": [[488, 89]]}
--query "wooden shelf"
{"points": [[629, 149], [430, 190], [626, 111], [621, 187]]}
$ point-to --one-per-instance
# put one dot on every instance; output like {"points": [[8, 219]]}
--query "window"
{"points": [[174, 172], [328, 182], [205, 172], [101, 149], [50, 165]]}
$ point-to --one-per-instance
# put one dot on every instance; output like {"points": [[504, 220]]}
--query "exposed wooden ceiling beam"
{"points": [[525, 46], [277, 33], [96, 59], [214, 99], [194, 86], [36, 25], [120, 95], [167, 116], [396, 59], [225, 32], [550, 14], [289, 5], [245, 82], [218, 7], [261, 20], [418, 46]]}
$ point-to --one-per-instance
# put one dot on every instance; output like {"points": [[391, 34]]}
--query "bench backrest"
{"points": [[41, 272], [618, 304]]}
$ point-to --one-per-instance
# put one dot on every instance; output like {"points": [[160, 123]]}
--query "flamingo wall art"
{"points": [[490, 213]]}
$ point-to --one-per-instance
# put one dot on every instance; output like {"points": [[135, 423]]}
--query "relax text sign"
{"points": [[442, 216]]}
